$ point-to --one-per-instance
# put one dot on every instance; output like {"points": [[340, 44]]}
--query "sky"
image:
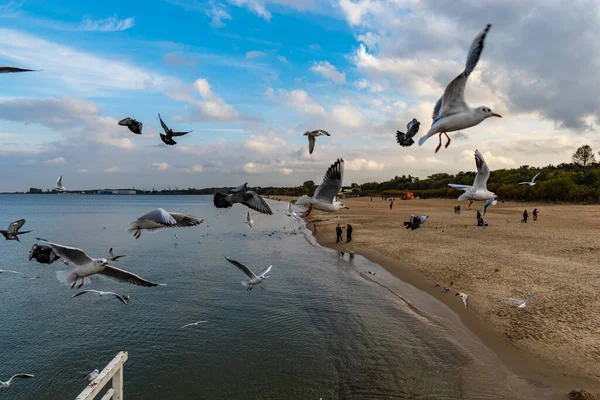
{"points": [[251, 76]]}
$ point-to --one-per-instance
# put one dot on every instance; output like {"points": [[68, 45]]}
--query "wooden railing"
{"points": [[114, 371]]}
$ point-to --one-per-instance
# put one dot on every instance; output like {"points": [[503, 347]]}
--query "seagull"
{"points": [[122, 299], [253, 279], [532, 183], [246, 197], [12, 232], [92, 375], [405, 139], [490, 202], [292, 213], [479, 189], [463, 296], [59, 187], [161, 219], [521, 303], [193, 324], [311, 138], [6, 385], [168, 138], [2, 271], [249, 221], [451, 112], [88, 266], [324, 197], [112, 255], [415, 222], [9, 70], [134, 125]]}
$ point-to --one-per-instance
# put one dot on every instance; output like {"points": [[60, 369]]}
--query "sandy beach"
{"points": [[555, 257]]}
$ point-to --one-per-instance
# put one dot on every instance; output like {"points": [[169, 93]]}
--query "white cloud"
{"points": [[286, 171], [282, 59], [348, 116], [112, 170], [110, 24], [325, 69], [83, 170], [56, 161], [493, 161], [217, 14], [408, 159], [361, 164], [298, 99], [160, 166], [193, 169], [265, 144], [254, 54], [213, 108], [255, 6]]}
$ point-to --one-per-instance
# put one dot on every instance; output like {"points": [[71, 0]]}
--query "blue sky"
{"points": [[250, 76]]}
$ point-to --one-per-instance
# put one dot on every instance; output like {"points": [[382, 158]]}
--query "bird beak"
{"points": [[347, 208], [496, 115]]}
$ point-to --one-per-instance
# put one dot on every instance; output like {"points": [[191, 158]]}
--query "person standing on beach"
{"points": [[338, 233], [391, 204], [348, 233], [314, 229], [525, 216], [535, 213]]}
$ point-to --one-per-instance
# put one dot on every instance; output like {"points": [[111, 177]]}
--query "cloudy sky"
{"points": [[250, 76]]}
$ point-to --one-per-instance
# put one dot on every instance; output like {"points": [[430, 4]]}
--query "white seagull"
{"points": [[521, 303], [240, 195], [249, 221], [463, 296], [253, 279], [451, 112], [292, 213], [161, 219], [324, 197], [532, 183], [59, 186], [479, 189], [311, 138], [92, 375], [122, 299], [88, 266], [193, 324], [6, 385]]}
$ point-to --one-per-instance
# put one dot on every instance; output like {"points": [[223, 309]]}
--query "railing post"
{"points": [[117, 384]]}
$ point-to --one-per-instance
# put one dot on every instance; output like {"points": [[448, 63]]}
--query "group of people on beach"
{"points": [[339, 234], [526, 215]]}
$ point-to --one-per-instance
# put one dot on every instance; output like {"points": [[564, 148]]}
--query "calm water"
{"points": [[319, 328]]}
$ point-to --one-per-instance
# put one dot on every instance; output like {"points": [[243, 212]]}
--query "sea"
{"points": [[321, 327]]}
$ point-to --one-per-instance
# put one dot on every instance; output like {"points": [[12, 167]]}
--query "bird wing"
{"points": [[257, 203], [412, 128], [84, 292], [400, 136], [120, 275], [464, 299], [180, 133], [241, 188], [248, 219], [513, 300], [311, 144], [453, 100], [322, 132], [125, 121], [536, 175], [167, 140], [524, 183], [164, 126], [8, 70], [70, 254], [423, 218], [110, 253], [185, 220], [529, 297], [12, 272], [483, 172], [159, 216], [459, 187], [290, 211], [332, 182], [247, 271], [119, 297], [15, 226], [265, 271], [19, 376], [59, 181]]}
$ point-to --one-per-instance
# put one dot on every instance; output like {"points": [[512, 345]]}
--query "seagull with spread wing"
{"points": [[6, 385], [253, 279], [479, 189], [324, 198], [123, 299], [59, 186], [311, 138], [521, 303], [532, 183], [193, 324], [243, 196], [12, 232], [87, 266], [161, 219], [169, 134], [451, 112], [406, 139], [134, 125]]}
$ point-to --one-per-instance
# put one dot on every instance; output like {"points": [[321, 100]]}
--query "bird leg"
{"points": [[470, 202], [448, 142], [439, 145], [79, 287], [74, 282], [137, 234]]}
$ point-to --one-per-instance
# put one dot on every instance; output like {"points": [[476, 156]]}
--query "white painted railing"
{"points": [[114, 371]]}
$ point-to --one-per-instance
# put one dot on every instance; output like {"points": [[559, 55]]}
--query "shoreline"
{"points": [[522, 360]]}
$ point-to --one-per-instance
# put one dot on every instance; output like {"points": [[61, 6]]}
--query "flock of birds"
{"points": [[451, 113]]}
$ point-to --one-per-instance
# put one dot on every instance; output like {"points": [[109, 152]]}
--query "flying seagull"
{"points": [[311, 138], [463, 296], [479, 189], [112, 255], [532, 183], [161, 219], [168, 138], [59, 186], [521, 303], [12, 232], [490, 202], [249, 221], [193, 324], [134, 125], [252, 278], [88, 266], [405, 139], [324, 197], [246, 197], [6, 385], [122, 299], [10, 70], [292, 213], [451, 112], [92, 375]]}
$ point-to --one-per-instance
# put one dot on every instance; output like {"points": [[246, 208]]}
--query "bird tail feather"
{"points": [[464, 196], [67, 277], [244, 283], [220, 200], [427, 136], [303, 201]]}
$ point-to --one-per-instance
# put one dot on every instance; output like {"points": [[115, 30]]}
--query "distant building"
{"points": [[116, 191]]}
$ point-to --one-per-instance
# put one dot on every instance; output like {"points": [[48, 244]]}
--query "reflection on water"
{"points": [[318, 328]]}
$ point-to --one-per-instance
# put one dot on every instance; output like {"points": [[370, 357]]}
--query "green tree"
{"points": [[308, 184], [584, 155]]}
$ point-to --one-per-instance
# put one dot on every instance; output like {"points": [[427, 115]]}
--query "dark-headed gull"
{"points": [[169, 134], [59, 186], [193, 324], [451, 112], [161, 219], [464, 297], [12, 232], [405, 139], [252, 278], [112, 255], [311, 138], [134, 125], [10, 70], [532, 183], [246, 197], [521, 303], [123, 299], [6, 385], [87, 266], [325, 195], [479, 189]]}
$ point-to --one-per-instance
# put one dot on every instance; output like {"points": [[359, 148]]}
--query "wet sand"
{"points": [[556, 338]]}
